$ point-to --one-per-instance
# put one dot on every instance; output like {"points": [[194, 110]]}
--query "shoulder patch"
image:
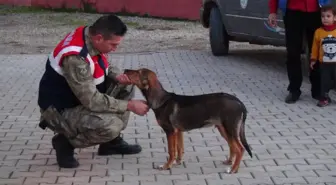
{"points": [[83, 71]]}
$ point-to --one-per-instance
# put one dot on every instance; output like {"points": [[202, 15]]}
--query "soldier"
{"points": [[82, 98]]}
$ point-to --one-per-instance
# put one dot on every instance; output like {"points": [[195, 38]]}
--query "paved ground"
{"points": [[292, 144]]}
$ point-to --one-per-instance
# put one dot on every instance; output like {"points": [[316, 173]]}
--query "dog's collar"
{"points": [[143, 78], [165, 99], [164, 102]]}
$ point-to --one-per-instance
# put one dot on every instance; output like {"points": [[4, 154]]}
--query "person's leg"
{"points": [[118, 145], [119, 91], [53, 120], [313, 22], [334, 78], [83, 128], [326, 72], [314, 78], [79, 128], [64, 151], [294, 33], [92, 128]]}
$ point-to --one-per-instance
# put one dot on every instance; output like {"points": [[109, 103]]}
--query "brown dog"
{"points": [[179, 113]]}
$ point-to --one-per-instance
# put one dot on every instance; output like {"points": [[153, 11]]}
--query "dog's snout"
{"points": [[130, 71], [127, 70]]}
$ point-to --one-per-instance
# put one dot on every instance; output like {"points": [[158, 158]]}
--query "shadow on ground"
{"points": [[264, 56]]}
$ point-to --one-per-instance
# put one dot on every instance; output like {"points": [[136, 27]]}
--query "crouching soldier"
{"points": [[82, 98]]}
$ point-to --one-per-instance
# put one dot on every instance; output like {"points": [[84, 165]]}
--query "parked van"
{"points": [[245, 21]]}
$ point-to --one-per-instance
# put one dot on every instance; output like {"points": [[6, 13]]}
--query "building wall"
{"points": [[157, 8]]}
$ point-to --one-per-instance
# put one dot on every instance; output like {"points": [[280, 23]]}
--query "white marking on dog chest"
{"points": [[172, 116]]}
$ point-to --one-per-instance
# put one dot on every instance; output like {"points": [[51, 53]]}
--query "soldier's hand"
{"points": [[123, 79], [139, 107], [312, 63]]}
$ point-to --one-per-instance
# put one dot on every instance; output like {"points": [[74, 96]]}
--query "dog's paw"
{"points": [[177, 162], [227, 162], [162, 167], [230, 171]]}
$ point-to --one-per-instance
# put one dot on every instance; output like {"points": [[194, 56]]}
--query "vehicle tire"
{"points": [[219, 39]]}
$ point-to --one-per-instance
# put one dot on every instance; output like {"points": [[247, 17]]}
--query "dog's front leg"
{"points": [[172, 141]]}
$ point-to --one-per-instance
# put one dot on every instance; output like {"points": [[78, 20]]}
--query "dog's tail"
{"points": [[242, 132]]}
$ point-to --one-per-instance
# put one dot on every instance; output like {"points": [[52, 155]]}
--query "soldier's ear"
{"points": [[97, 38]]}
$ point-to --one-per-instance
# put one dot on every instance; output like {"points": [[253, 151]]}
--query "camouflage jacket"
{"points": [[78, 75]]}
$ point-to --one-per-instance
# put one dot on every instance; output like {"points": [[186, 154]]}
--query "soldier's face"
{"points": [[108, 45]]}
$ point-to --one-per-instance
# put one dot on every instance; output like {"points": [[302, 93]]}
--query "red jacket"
{"points": [[300, 5]]}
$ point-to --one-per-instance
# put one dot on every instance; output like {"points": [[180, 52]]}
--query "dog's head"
{"points": [[147, 81], [143, 78]]}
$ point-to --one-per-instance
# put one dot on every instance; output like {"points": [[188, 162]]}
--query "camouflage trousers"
{"points": [[85, 128]]}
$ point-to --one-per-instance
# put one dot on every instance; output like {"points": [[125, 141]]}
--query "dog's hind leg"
{"points": [[180, 147], [223, 133], [231, 156], [238, 150]]}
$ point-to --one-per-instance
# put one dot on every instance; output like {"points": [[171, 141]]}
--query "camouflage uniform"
{"points": [[101, 117]]}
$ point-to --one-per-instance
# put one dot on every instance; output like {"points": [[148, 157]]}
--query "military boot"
{"points": [[118, 146], [64, 152]]}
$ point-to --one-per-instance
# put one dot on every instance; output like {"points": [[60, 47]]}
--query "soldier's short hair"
{"points": [[329, 7], [108, 25]]}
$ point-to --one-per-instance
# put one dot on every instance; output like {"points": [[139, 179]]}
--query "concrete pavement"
{"points": [[292, 144]]}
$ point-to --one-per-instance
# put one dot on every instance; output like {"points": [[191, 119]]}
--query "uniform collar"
{"points": [[92, 51]]}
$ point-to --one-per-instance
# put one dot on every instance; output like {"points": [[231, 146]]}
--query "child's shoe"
{"points": [[324, 102]]}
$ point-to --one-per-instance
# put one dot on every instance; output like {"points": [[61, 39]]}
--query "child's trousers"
{"points": [[327, 78]]}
